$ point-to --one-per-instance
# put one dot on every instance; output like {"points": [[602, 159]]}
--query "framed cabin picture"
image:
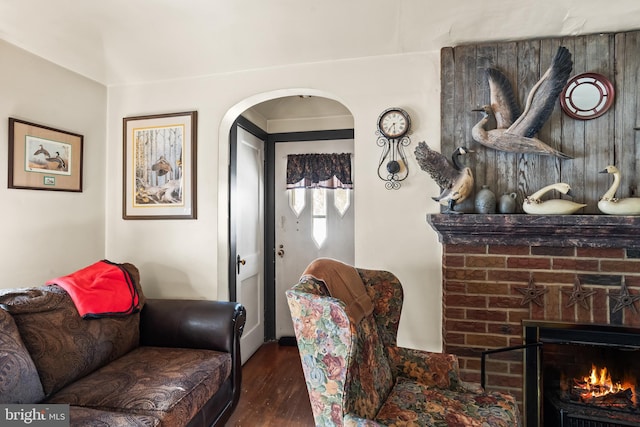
{"points": [[159, 166], [44, 158]]}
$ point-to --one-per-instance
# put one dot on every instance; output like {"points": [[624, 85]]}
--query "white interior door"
{"points": [[250, 238], [310, 223]]}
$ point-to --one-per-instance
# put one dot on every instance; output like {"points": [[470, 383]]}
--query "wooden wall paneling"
{"points": [[572, 132], [633, 47], [465, 82], [624, 110], [632, 107], [507, 173], [453, 98], [449, 99], [599, 141], [626, 139], [553, 127], [486, 57], [633, 139], [535, 172], [447, 102], [626, 89], [569, 140]]}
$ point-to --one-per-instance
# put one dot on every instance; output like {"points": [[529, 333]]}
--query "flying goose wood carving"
{"points": [[516, 132]]}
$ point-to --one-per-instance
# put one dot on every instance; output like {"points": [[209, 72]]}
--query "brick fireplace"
{"points": [[499, 270]]}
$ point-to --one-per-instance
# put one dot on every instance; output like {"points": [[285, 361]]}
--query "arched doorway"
{"points": [[226, 243]]}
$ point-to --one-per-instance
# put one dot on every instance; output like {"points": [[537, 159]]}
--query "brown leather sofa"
{"points": [[174, 363]]}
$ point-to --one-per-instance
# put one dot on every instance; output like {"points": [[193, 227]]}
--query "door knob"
{"points": [[280, 251], [239, 262]]}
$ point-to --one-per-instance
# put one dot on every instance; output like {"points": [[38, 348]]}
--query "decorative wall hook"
{"points": [[393, 129]]}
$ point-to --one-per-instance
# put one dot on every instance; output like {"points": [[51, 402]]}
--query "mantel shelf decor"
{"points": [[593, 144], [599, 231]]}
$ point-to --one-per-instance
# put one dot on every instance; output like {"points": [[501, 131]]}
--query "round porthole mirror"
{"points": [[587, 96]]}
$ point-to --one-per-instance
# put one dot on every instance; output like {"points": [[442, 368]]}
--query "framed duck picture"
{"points": [[44, 158]]}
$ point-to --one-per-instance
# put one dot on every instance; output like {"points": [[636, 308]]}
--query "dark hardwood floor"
{"points": [[273, 390]]}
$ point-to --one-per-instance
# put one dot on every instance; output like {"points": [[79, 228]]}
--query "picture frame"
{"points": [[44, 158], [159, 166]]}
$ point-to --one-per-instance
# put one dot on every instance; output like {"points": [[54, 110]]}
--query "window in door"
{"points": [[319, 215], [297, 200], [319, 207], [319, 173], [341, 200]]}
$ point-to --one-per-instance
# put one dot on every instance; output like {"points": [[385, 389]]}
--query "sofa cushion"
{"points": [[63, 346], [96, 418], [19, 381], [171, 384], [411, 403]]}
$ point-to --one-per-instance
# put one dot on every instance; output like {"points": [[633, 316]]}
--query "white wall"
{"points": [[50, 233], [187, 259]]}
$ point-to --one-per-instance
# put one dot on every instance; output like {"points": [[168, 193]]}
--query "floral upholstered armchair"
{"points": [[356, 375]]}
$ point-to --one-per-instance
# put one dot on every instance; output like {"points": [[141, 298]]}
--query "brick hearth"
{"points": [[485, 282]]}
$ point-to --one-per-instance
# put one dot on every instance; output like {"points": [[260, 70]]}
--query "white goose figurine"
{"points": [[533, 204], [608, 204]]}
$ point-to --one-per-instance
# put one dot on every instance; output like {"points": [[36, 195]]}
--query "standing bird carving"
{"points": [[516, 132], [453, 177]]}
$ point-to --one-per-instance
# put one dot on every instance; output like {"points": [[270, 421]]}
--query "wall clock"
{"points": [[394, 125]]}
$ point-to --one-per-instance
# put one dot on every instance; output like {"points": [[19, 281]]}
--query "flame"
{"points": [[598, 383]]}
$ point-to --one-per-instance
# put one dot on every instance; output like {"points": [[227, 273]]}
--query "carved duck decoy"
{"points": [[515, 132], [533, 205], [453, 177], [609, 205]]}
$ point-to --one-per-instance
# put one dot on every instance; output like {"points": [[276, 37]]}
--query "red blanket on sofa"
{"points": [[100, 290]]}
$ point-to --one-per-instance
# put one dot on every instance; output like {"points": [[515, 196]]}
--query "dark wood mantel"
{"points": [[600, 231]]}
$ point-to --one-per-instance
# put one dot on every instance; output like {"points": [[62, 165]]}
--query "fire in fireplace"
{"points": [[581, 375], [599, 389]]}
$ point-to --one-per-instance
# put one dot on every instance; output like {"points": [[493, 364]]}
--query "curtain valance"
{"points": [[319, 170]]}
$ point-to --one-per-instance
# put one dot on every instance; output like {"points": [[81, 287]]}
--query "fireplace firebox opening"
{"points": [[581, 375]]}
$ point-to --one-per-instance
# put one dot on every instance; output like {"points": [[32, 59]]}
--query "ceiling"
{"points": [[119, 42]]}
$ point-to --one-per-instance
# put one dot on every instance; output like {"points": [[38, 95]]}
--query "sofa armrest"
{"points": [[209, 325], [212, 325], [432, 369]]}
